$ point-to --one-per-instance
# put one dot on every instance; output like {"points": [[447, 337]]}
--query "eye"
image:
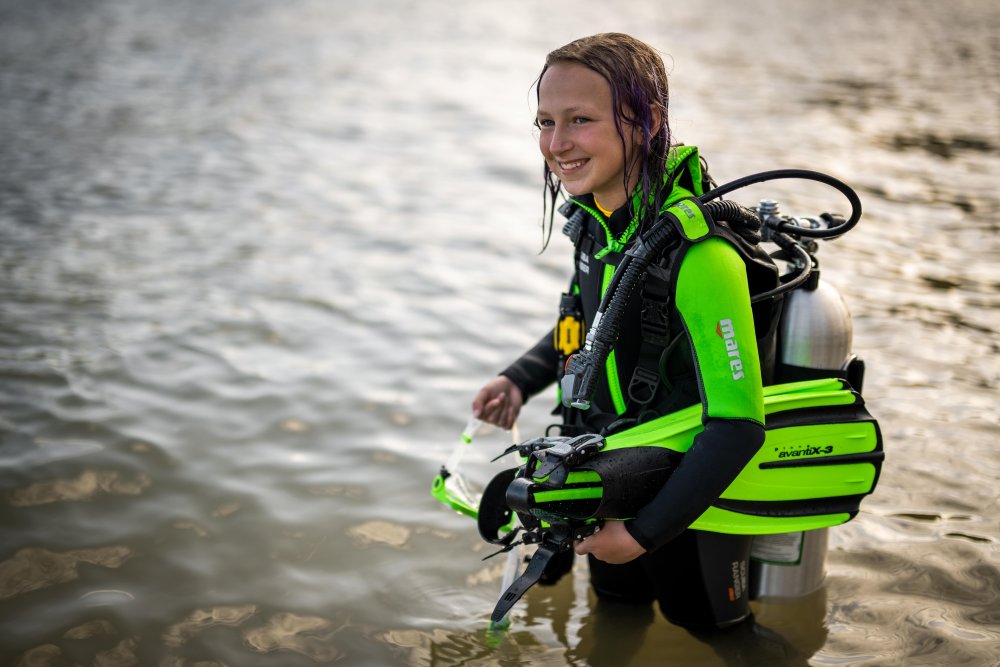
{"points": [[543, 122], [580, 120]]}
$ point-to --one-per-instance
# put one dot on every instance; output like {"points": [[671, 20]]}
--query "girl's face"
{"points": [[578, 137]]}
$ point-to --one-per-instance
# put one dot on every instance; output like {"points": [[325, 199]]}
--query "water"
{"points": [[257, 257]]}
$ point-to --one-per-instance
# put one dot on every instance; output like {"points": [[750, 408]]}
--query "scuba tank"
{"points": [[815, 330], [815, 336]]}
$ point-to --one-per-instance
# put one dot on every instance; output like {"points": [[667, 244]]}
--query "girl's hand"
{"points": [[611, 544], [498, 402]]}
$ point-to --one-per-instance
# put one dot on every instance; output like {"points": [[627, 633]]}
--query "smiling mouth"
{"points": [[571, 166]]}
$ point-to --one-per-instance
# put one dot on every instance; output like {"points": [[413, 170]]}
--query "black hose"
{"points": [[612, 306], [748, 221], [802, 174], [804, 260], [652, 242], [582, 366]]}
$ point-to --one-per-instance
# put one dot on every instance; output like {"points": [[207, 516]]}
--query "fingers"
{"points": [[508, 411], [512, 407], [479, 402], [498, 403], [493, 410], [613, 544]]}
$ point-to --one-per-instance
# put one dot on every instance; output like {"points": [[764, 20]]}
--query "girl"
{"points": [[604, 135]]}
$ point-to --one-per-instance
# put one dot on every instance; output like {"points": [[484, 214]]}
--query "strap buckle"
{"points": [[642, 386], [655, 321]]}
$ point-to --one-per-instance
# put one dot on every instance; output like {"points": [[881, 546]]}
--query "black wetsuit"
{"points": [[699, 578]]}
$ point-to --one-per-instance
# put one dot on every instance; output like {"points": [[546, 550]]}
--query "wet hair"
{"points": [[638, 81]]}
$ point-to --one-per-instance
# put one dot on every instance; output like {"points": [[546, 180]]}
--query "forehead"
{"points": [[572, 85]]}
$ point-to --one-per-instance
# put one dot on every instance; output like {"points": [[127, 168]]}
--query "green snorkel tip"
{"points": [[437, 486], [496, 631]]}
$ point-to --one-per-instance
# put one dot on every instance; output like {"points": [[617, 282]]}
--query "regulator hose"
{"points": [[749, 221], [800, 174], [803, 259]]}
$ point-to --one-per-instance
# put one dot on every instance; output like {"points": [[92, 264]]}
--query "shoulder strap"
{"points": [[575, 216], [691, 221], [658, 294]]}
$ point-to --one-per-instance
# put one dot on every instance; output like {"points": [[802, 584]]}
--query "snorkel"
{"points": [[450, 488]]}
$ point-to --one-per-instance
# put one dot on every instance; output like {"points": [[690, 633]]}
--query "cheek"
{"points": [[637, 142], [543, 145], [610, 145]]}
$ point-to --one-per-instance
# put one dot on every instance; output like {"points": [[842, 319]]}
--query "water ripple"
{"points": [[256, 258]]}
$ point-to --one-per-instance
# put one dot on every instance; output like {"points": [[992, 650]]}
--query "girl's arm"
{"points": [[713, 300]]}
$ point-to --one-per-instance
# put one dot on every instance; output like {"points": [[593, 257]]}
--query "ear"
{"points": [[657, 123]]}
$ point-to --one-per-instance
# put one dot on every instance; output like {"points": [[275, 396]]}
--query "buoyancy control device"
{"points": [[822, 454]]}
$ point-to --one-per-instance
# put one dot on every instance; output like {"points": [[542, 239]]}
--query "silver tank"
{"points": [[816, 331], [789, 565]]}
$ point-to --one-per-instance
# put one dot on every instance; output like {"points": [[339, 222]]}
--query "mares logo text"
{"points": [[725, 330]]}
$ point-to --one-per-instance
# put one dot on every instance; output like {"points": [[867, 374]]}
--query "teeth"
{"points": [[571, 165]]}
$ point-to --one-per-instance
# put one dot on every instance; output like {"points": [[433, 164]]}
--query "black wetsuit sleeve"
{"points": [[535, 369], [712, 299], [714, 460]]}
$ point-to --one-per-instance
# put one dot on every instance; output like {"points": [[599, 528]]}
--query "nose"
{"points": [[558, 140]]}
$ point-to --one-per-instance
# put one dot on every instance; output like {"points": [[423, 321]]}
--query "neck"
{"points": [[607, 212]]}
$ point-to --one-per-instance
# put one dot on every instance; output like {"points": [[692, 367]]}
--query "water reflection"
{"points": [[179, 633], [123, 654], [226, 509], [381, 532], [106, 597], [244, 301], [565, 624], [91, 629], [942, 146], [86, 486], [41, 656], [34, 568], [309, 635], [443, 648], [100, 643]]}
